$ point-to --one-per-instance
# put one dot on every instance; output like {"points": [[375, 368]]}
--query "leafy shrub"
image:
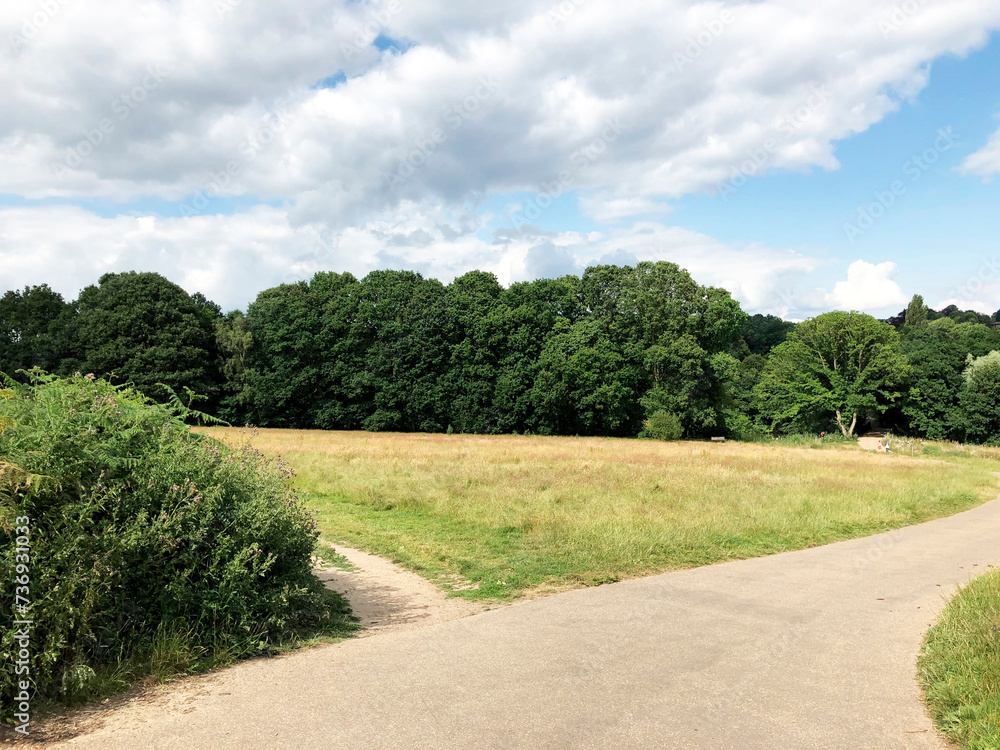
{"points": [[663, 425], [746, 429], [152, 548]]}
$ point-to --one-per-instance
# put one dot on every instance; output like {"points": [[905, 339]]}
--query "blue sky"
{"points": [[347, 136], [940, 232]]}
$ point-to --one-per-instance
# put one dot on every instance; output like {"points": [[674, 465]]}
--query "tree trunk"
{"points": [[847, 431]]}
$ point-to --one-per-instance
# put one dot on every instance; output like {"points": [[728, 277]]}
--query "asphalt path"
{"points": [[809, 649]]}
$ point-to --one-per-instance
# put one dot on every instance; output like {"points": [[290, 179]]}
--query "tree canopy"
{"points": [[141, 329], [839, 366], [617, 351]]}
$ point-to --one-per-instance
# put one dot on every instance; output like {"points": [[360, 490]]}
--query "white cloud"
{"points": [[967, 304], [869, 286], [632, 104], [986, 161], [231, 258], [694, 111], [604, 208]]}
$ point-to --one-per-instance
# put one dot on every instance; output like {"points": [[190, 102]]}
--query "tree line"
{"points": [[617, 351]]}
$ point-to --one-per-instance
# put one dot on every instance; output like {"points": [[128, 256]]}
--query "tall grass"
{"points": [[960, 666], [515, 513]]}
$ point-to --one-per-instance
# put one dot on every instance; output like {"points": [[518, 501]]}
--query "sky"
{"points": [[806, 155]]}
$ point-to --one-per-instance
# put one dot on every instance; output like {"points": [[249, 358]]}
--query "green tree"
{"points": [[980, 399], [401, 327], [301, 369], [235, 344], [472, 371], [584, 385], [33, 327], [741, 410], [142, 329], [668, 328], [938, 353], [959, 316], [916, 312], [519, 329], [683, 382], [764, 332], [842, 367]]}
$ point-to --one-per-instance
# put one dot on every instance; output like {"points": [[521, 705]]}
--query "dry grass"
{"points": [[514, 513]]}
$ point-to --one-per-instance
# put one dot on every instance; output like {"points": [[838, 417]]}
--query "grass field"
{"points": [[516, 515], [960, 666]]}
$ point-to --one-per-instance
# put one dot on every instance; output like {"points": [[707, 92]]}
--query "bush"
{"points": [[663, 425], [151, 548]]}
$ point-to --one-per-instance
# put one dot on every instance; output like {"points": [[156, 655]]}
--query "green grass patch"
{"points": [[516, 513], [329, 556], [960, 666]]}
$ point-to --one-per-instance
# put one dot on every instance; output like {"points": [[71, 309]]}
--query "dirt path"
{"points": [[387, 598], [869, 443]]}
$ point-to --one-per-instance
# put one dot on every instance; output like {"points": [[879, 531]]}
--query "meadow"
{"points": [[500, 517]]}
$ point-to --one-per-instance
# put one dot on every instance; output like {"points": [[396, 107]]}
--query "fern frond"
{"points": [[185, 412]]}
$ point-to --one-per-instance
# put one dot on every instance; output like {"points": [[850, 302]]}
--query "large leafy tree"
{"points": [[471, 302], [740, 406], [764, 332], [402, 326], [584, 385], [142, 329], [519, 329], [938, 352], [235, 344], [669, 328], [980, 399], [300, 371], [34, 330], [916, 313], [841, 367]]}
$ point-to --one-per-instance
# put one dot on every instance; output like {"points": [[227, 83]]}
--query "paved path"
{"points": [[812, 649]]}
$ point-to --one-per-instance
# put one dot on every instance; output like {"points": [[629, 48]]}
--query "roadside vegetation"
{"points": [[515, 514], [137, 549], [960, 666]]}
